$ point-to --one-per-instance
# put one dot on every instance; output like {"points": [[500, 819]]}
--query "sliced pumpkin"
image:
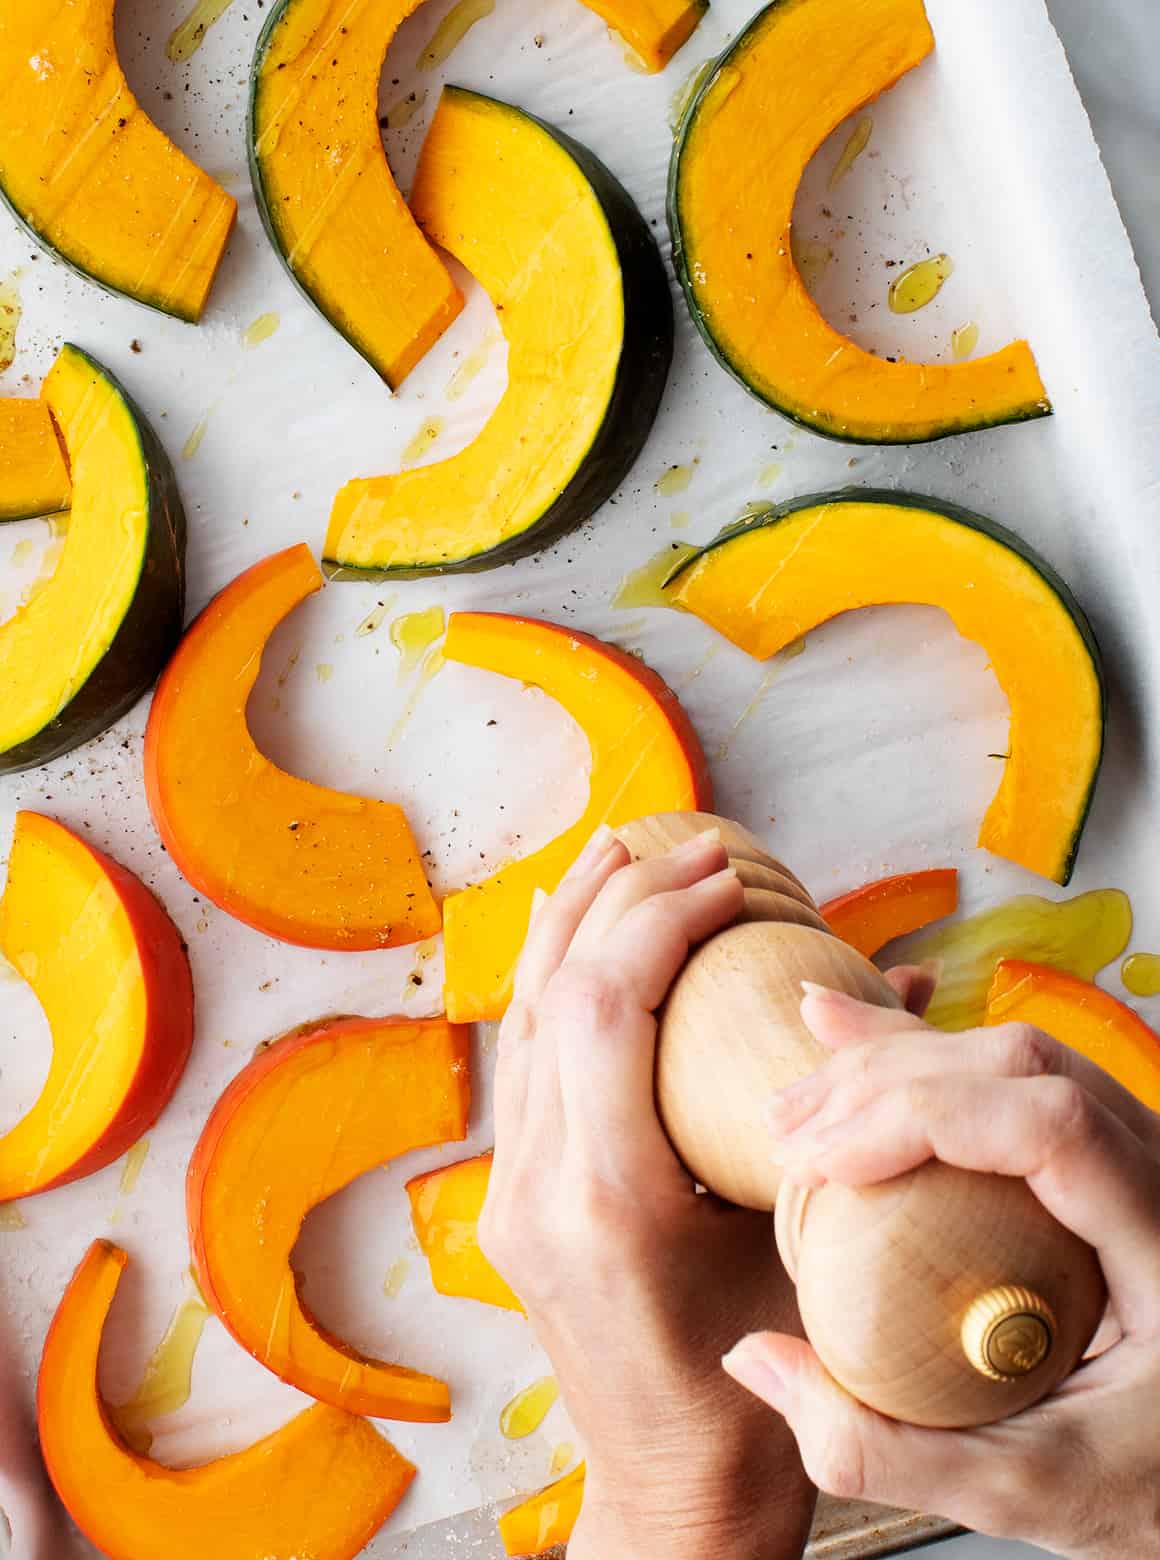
{"points": [[312, 866], [871, 916], [580, 289], [90, 175], [445, 1207], [646, 758], [1083, 1016], [321, 1486], [774, 576], [306, 1117], [546, 1519], [86, 645], [653, 29], [111, 973], [788, 80], [323, 187], [34, 477]]}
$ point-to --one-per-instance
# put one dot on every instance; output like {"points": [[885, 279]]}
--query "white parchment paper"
{"points": [[866, 754]]}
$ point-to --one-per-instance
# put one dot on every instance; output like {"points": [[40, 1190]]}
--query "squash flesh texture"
{"points": [[51, 646], [545, 1519], [495, 190], [34, 477], [86, 168], [753, 132], [645, 759], [871, 916], [338, 215], [304, 1120], [313, 866], [445, 1209], [768, 587], [653, 29], [321, 1486]]}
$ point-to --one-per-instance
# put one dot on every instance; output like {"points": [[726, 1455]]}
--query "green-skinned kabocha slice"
{"points": [[781, 572], [581, 294], [793, 75]]}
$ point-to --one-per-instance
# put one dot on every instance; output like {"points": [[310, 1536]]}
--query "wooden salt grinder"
{"points": [[945, 1297]]}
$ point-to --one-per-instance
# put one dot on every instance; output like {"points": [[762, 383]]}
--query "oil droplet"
{"points": [[374, 618], [682, 99], [770, 473], [423, 440], [763, 688], [964, 341], [413, 634], [404, 109], [11, 1219], [10, 313], [856, 144], [919, 284], [1080, 935], [191, 446], [22, 551], [631, 58], [470, 367], [396, 1277], [431, 663], [187, 39], [452, 30], [562, 1456], [811, 257], [260, 330], [324, 671], [168, 1376], [134, 1164], [1140, 973], [679, 519], [791, 651], [528, 1409], [675, 480], [644, 586]]}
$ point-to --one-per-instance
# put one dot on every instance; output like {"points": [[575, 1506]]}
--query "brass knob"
{"points": [[1008, 1332]]}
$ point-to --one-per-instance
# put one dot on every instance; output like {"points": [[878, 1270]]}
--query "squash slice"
{"points": [[653, 29], [370, 1090], [321, 1486], [793, 75], [88, 643], [34, 477], [324, 190], [90, 175], [776, 575], [312, 866], [582, 296], [871, 916], [112, 975], [645, 759], [545, 1520], [445, 1207]]}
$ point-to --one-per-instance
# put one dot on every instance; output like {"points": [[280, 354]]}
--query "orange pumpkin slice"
{"points": [[303, 1120], [445, 1207], [312, 866], [547, 1519], [875, 914], [646, 758], [112, 976], [321, 1486], [34, 477]]}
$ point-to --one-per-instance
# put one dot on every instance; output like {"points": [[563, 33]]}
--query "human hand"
{"points": [[1079, 1472], [33, 1528], [634, 1283]]}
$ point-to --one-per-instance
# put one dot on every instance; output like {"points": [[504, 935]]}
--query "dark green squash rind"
{"points": [[771, 515], [682, 265], [149, 631], [645, 357]]}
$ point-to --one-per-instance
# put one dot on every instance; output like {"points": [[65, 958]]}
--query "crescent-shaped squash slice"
{"points": [[445, 1207], [793, 75], [581, 293], [324, 190], [34, 477], [774, 576], [875, 914], [646, 758], [1083, 1016], [90, 175], [321, 1486], [545, 1520], [312, 866], [86, 645], [308, 1115], [112, 976]]}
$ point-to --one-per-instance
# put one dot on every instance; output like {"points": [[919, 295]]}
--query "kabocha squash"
{"points": [[309, 865], [875, 914], [445, 1207], [645, 759], [581, 294], [793, 75], [653, 29], [34, 477], [1083, 1016], [90, 175], [298, 1124], [89, 642], [321, 1486], [545, 1520], [774, 576], [112, 976], [323, 187]]}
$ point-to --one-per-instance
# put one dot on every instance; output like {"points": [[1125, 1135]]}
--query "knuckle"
{"points": [[1070, 1110], [1026, 1051], [586, 990]]}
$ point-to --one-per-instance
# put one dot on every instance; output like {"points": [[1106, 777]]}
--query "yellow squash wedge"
{"points": [[34, 477]]}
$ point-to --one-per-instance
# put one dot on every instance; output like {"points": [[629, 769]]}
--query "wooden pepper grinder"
{"points": [[944, 1297]]}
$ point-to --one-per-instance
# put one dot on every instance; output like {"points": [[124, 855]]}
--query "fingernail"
{"points": [[595, 850], [698, 844], [813, 989], [749, 1365]]}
